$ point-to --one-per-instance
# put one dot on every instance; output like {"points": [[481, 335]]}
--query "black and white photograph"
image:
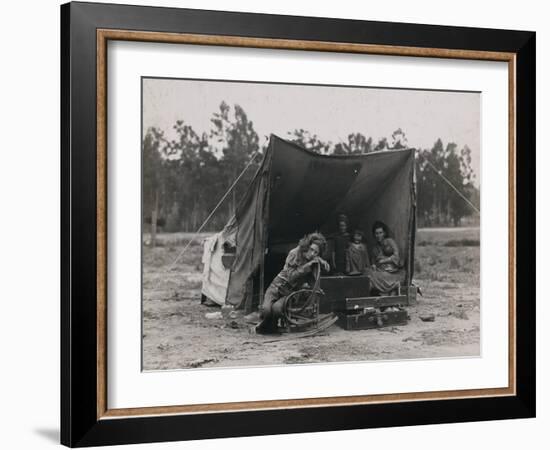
{"points": [[307, 224], [275, 225]]}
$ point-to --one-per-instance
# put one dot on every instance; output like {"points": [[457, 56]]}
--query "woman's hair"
{"points": [[380, 224], [316, 238]]}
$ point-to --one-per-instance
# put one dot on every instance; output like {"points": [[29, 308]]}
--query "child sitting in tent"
{"points": [[357, 257], [340, 246]]}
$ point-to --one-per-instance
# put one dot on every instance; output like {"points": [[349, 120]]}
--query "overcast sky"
{"points": [[330, 112]]}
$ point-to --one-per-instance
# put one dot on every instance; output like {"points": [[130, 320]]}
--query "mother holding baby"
{"points": [[386, 272]]}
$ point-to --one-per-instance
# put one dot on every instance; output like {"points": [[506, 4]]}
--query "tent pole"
{"points": [[412, 225], [249, 302], [261, 282]]}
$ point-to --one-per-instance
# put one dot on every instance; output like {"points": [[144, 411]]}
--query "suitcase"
{"points": [[338, 288]]}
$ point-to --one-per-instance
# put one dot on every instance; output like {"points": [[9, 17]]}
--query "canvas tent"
{"points": [[296, 191]]}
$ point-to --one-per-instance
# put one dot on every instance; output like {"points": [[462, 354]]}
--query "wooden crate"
{"points": [[338, 288]]}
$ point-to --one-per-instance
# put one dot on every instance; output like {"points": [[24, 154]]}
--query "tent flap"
{"points": [[251, 218]]}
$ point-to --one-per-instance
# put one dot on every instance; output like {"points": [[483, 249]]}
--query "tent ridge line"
{"points": [[349, 156]]}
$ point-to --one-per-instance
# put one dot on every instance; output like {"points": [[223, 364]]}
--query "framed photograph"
{"points": [[277, 224]]}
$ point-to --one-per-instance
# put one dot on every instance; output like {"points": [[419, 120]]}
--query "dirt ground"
{"points": [[177, 335]]}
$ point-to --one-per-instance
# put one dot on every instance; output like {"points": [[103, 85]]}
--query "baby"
{"points": [[357, 257]]}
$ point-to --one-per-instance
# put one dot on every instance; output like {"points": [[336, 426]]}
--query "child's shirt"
{"points": [[357, 259]]}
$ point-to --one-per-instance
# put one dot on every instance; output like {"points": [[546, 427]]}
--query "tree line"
{"points": [[184, 178]]}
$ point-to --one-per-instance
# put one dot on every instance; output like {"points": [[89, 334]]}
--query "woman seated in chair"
{"points": [[296, 274], [386, 273]]}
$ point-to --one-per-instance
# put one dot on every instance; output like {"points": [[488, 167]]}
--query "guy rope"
{"points": [[453, 186]]}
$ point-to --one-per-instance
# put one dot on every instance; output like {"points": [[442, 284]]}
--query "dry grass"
{"points": [[440, 257]]}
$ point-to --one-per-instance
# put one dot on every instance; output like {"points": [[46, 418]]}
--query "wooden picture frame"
{"points": [[85, 416]]}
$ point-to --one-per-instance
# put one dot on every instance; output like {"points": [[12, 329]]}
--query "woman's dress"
{"points": [[386, 277]]}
